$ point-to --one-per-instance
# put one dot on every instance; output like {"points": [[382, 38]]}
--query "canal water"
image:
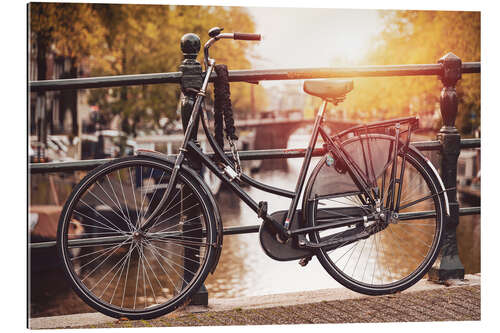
{"points": [[244, 269]]}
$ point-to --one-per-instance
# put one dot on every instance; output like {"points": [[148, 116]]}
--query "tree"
{"points": [[145, 39], [67, 30], [422, 37]]}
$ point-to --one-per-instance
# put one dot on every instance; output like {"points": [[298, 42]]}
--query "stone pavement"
{"points": [[458, 301]]}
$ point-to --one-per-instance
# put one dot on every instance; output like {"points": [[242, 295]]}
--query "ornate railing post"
{"points": [[448, 264], [191, 81]]}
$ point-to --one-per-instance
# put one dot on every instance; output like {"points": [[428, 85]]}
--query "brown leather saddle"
{"points": [[328, 89]]}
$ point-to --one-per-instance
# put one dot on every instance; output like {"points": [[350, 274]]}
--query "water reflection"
{"points": [[244, 269]]}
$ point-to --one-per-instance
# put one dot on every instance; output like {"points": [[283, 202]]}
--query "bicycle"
{"points": [[139, 235]]}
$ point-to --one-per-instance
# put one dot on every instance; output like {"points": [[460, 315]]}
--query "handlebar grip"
{"points": [[244, 36]]}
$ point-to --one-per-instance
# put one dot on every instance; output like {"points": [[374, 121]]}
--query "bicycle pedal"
{"points": [[304, 261], [262, 212]]}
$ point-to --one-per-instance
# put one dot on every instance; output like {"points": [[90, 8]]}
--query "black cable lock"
{"points": [[223, 111]]}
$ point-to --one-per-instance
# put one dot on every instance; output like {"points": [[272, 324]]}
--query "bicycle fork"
{"points": [[149, 222]]}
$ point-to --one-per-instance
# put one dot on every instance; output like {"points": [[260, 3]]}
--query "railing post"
{"points": [[191, 81], [448, 264], [40, 127]]}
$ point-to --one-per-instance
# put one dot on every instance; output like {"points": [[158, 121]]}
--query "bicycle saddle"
{"points": [[328, 89]]}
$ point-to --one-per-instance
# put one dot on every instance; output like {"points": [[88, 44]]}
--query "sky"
{"points": [[312, 37]]}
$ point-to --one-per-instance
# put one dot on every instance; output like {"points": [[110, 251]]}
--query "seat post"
{"points": [[305, 165], [322, 110]]}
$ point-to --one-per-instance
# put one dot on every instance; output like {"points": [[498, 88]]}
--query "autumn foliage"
{"points": [[135, 39], [421, 37], [115, 39]]}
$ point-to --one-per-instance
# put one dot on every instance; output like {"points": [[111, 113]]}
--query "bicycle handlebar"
{"points": [[215, 34], [245, 36]]}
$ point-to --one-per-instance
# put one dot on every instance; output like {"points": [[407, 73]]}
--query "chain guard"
{"points": [[276, 250]]}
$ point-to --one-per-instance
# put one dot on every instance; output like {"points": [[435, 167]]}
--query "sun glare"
{"points": [[305, 37]]}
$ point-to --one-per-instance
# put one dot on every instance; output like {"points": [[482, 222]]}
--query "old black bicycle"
{"points": [[139, 235]]}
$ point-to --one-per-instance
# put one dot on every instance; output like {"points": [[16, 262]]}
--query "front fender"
{"points": [[215, 209]]}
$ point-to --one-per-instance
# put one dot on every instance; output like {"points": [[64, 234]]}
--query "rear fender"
{"points": [[436, 173], [414, 149]]}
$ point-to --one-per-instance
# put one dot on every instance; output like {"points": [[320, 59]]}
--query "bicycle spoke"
{"points": [[166, 211], [366, 265], [141, 214], [154, 193], [124, 199], [126, 277], [179, 245], [113, 248], [122, 216], [116, 197], [116, 228], [166, 260], [135, 200], [345, 265], [174, 254], [359, 257], [101, 201], [417, 201], [104, 276], [387, 266], [399, 239], [91, 226], [171, 217], [177, 224], [166, 273], [127, 258]]}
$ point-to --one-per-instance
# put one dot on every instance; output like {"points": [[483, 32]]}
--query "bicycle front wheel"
{"points": [[399, 251], [120, 270]]}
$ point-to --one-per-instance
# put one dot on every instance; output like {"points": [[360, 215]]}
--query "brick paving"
{"points": [[448, 304]]}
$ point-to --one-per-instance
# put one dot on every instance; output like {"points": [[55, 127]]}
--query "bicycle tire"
{"points": [[402, 266], [170, 261]]}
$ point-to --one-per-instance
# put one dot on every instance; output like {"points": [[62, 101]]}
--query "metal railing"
{"points": [[449, 69], [44, 168]]}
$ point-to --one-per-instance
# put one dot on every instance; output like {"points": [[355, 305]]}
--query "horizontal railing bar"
{"points": [[247, 229], [436, 145], [427, 145], [471, 67], [105, 81], [265, 154], [464, 211], [99, 240], [36, 168], [42, 245], [66, 166], [251, 76], [255, 228], [428, 214], [470, 143], [51, 167], [345, 72]]}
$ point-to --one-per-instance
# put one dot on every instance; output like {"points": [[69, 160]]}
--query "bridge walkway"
{"points": [[424, 302]]}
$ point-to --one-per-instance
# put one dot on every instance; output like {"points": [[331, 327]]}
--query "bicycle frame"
{"points": [[228, 175]]}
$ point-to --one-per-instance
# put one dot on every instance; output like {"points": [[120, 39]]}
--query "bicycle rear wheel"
{"points": [[120, 270], [397, 254]]}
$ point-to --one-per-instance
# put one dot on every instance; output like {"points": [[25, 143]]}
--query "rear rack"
{"points": [[381, 127]]}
